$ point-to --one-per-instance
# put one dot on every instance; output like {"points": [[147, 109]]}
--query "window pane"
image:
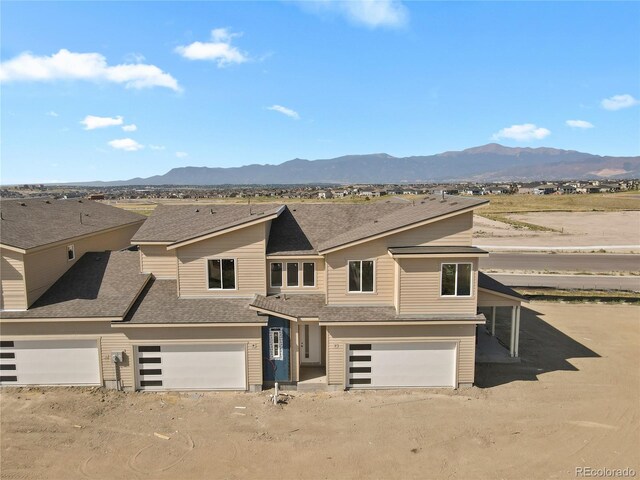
{"points": [[464, 279], [276, 274], [354, 276], [215, 277], [367, 276], [228, 274], [292, 274], [449, 279], [309, 274]]}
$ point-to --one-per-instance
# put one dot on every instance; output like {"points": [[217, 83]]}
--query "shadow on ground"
{"points": [[543, 348]]}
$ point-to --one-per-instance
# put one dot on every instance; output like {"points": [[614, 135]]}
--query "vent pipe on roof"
{"points": [[211, 211]]}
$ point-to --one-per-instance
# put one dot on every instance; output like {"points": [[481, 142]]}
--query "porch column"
{"points": [[517, 342], [513, 332], [493, 321]]}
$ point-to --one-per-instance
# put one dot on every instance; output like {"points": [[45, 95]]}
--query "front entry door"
{"points": [[310, 343]]}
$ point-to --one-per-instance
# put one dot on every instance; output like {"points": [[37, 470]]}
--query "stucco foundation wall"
{"points": [[338, 338]]}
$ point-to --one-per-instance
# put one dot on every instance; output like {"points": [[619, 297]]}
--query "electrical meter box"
{"points": [[117, 357]]}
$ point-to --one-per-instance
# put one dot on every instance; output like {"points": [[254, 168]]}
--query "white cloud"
{"points": [[285, 111], [523, 133], [130, 128], [618, 102], [52, 114], [92, 122], [126, 144], [579, 124], [66, 65], [369, 13], [218, 50], [182, 154], [157, 147]]}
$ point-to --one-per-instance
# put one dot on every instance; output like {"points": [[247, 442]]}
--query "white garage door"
{"points": [[402, 364], [49, 362], [191, 367]]}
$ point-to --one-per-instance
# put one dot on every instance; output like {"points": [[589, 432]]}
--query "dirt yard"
{"points": [[572, 402], [573, 229]]}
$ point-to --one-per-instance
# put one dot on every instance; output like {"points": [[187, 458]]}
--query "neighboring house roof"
{"points": [[305, 306], [100, 284], [159, 304], [489, 283], [177, 223], [31, 223], [439, 250]]}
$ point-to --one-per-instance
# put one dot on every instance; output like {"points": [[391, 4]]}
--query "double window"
{"points": [[293, 274], [221, 273], [456, 280], [361, 275]]}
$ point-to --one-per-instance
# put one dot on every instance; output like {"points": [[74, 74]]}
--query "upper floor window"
{"points": [[292, 274], [71, 252], [361, 275], [221, 273], [309, 274], [276, 274], [456, 280]]}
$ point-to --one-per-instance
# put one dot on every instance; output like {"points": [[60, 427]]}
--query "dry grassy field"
{"points": [[572, 402]]}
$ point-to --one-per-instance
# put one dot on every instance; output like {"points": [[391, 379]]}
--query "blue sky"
{"points": [[228, 84]]}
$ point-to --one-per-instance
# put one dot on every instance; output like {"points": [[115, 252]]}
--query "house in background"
{"points": [[323, 296]]}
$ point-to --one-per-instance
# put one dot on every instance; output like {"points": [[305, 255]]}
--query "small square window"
{"points": [[456, 280], [361, 276], [71, 252], [221, 274]]}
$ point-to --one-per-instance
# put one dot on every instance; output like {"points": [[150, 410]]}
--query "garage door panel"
{"points": [[50, 362], [192, 367], [402, 364]]}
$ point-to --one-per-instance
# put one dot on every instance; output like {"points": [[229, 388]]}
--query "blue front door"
{"points": [[275, 350]]}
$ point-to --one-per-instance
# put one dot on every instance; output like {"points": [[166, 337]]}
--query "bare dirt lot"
{"points": [[572, 402], [571, 229]]}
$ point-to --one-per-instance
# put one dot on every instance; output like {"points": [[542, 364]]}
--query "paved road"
{"points": [[577, 282], [577, 262]]}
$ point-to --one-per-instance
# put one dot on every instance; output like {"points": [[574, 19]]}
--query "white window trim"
{"points": [[71, 248], [360, 292], [456, 280], [282, 275], [280, 331], [315, 282], [297, 269], [235, 274]]}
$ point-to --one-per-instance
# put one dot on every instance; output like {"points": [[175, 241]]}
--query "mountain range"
{"points": [[487, 163]]}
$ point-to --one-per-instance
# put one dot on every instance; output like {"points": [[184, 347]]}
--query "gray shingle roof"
{"points": [[490, 283], [159, 304], [174, 223], [100, 284], [439, 250], [314, 306], [31, 223], [425, 209]]}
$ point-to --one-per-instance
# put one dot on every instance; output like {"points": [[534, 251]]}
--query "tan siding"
{"points": [[452, 231], [250, 335], [109, 339], [320, 277], [487, 299], [339, 337], [44, 267], [247, 246], [420, 288], [13, 293], [158, 260]]}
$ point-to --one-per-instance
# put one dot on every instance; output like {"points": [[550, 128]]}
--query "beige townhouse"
{"points": [[237, 297]]}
